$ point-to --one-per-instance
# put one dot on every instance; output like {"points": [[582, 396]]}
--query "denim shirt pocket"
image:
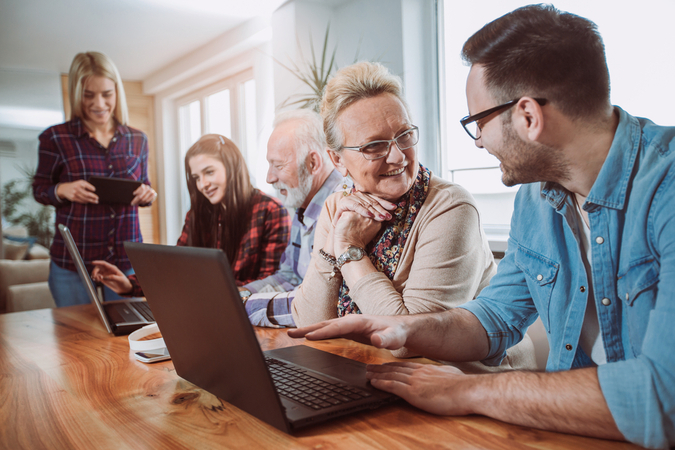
{"points": [[637, 288], [541, 274]]}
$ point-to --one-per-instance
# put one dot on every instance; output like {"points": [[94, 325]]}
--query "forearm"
{"points": [[463, 337], [567, 402], [316, 297]]}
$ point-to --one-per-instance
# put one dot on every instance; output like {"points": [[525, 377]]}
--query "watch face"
{"points": [[355, 253]]}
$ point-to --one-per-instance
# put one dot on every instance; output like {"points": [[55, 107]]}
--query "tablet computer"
{"points": [[114, 190]]}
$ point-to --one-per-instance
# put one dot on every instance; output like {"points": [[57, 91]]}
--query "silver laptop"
{"points": [[213, 345], [118, 316]]}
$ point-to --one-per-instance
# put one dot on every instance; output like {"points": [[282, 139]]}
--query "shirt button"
{"points": [[568, 347], [114, 139], [540, 277], [599, 240], [627, 296], [110, 167], [112, 216], [606, 301], [582, 288]]}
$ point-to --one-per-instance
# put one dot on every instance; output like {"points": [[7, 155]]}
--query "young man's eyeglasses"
{"points": [[468, 120], [380, 149]]}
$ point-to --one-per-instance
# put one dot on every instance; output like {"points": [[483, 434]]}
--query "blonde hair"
{"points": [[85, 65], [350, 84]]}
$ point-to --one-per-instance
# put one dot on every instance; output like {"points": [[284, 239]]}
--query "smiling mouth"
{"points": [[393, 172], [210, 193]]}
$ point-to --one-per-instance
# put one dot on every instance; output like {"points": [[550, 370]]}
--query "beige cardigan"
{"points": [[446, 262]]}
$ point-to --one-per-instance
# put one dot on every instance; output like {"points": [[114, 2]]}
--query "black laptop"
{"points": [[204, 324], [118, 316]]}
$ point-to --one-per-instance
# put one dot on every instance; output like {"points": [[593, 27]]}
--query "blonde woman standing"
{"points": [[95, 141]]}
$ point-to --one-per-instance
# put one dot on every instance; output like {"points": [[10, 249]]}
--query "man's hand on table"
{"points": [[378, 331]]}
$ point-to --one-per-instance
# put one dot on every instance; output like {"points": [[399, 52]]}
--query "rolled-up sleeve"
{"points": [[504, 308]]}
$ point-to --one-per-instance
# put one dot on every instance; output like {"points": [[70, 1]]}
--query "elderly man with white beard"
{"points": [[304, 176]]}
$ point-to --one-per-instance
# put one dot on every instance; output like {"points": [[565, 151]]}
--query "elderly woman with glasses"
{"points": [[401, 240]]}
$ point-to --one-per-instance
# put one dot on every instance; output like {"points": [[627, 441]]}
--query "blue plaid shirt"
{"points": [[279, 288]]}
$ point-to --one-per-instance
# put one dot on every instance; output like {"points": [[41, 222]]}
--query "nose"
{"points": [[479, 142], [395, 155], [203, 183], [271, 176]]}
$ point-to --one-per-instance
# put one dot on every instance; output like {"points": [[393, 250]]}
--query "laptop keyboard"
{"points": [[299, 385], [144, 310]]}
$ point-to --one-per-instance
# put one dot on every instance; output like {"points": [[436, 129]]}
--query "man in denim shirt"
{"points": [[591, 249]]}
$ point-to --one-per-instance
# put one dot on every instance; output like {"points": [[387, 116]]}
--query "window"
{"points": [[640, 63], [227, 108]]}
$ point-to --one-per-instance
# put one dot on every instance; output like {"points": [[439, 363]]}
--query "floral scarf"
{"points": [[386, 248]]}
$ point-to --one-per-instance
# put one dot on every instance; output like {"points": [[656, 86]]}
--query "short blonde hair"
{"points": [[350, 84], [85, 65]]}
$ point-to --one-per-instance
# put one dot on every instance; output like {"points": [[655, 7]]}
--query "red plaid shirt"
{"points": [[67, 153], [261, 246]]}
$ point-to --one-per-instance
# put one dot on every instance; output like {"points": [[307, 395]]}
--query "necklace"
{"points": [[581, 212]]}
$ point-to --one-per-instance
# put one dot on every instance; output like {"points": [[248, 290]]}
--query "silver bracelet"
{"points": [[331, 259]]}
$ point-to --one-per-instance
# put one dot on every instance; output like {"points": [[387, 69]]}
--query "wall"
{"points": [[399, 34], [245, 47]]}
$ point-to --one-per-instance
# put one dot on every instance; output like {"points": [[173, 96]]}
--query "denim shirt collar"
{"points": [[608, 190]]}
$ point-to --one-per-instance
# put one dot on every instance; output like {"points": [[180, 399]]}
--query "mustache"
{"points": [[279, 186]]}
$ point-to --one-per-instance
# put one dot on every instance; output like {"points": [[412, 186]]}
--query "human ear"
{"points": [[337, 162], [314, 162], [528, 118]]}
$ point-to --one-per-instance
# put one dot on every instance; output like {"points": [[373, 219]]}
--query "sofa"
{"points": [[24, 271]]}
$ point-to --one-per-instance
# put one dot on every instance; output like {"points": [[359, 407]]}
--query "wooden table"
{"points": [[66, 383]]}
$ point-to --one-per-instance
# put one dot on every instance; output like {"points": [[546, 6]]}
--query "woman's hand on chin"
{"points": [[353, 229], [366, 205]]}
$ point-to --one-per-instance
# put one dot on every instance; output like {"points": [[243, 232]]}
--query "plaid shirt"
{"points": [[67, 153], [279, 289], [261, 246]]}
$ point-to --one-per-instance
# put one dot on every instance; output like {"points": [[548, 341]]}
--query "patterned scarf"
{"points": [[385, 249]]}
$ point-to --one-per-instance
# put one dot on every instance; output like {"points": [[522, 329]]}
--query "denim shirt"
{"points": [[631, 209]]}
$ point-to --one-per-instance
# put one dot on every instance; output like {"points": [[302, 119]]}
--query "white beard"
{"points": [[296, 196]]}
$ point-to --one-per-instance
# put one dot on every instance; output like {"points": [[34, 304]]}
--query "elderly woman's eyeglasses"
{"points": [[468, 120], [380, 149]]}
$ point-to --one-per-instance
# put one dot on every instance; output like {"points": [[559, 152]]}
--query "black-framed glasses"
{"points": [[468, 120], [380, 149]]}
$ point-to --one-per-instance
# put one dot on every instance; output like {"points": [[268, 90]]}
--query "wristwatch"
{"points": [[353, 253]]}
